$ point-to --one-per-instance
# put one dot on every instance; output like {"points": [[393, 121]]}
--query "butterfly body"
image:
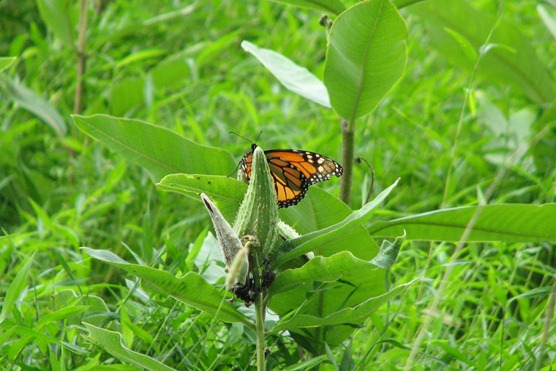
{"points": [[293, 171]]}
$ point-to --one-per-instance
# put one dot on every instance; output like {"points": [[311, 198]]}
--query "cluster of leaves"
{"points": [[59, 191]]}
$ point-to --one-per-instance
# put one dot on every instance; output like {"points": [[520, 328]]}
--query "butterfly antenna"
{"points": [[258, 136], [247, 139], [253, 146], [359, 160], [241, 136]]}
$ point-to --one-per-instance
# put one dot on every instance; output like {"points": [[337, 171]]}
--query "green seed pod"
{"points": [[238, 271], [228, 239], [258, 213]]}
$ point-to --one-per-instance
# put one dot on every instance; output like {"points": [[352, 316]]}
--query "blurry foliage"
{"points": [[187, 72]]}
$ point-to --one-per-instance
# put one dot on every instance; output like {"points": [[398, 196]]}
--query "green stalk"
{"points": [[348, 150], [259, 331], [81, 57], [260, 309]]}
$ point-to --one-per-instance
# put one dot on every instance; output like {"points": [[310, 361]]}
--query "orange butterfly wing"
{"points": [[293, 171]]}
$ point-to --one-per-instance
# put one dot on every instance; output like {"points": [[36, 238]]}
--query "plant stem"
{"points": [[81, 57], [545, 336], [348, 150], [259, 329], [260, 309]]}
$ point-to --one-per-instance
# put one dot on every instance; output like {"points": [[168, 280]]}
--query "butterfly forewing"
{"points": [[293, 171]]}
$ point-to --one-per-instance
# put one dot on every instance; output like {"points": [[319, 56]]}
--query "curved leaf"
{"points": [[340, 291], [34, 103], [191, 289], [295, 78], [316, 241], [508, 223], [318, 211], [15, 288], [325, 269], [113, 343], [356, 315], [159, 150], [366, 56], [512, 61], [215, 186], [225, 192]]}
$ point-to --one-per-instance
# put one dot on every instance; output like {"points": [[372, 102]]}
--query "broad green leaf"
{"points": [[157, 149], [15, 288], [295, 78], [356, 315], [339, 291], [325, 287], [330, 6], [317, 210], [510, 60], [191, 289], [6, 62], [56, 14], [225, 192], [320, 210], [34, 103], [325, 269], [366, 56], [215, 186], [112, 342], [335, 234], [507, 223]]}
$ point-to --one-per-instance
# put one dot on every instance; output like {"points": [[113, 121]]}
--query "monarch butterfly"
{"points": [[293, 171]]}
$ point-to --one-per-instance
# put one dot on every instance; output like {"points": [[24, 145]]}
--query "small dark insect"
{"points": [[247, 292]]}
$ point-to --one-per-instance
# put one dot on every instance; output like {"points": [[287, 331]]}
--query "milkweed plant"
{"points": [[257, 238]]}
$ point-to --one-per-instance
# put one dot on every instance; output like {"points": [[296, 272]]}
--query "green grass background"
{"points": [[187, 72]]}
